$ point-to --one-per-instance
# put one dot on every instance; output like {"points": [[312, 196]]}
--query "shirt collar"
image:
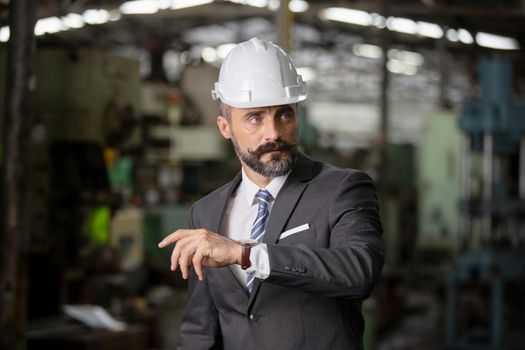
{"points": [[248, 189]]}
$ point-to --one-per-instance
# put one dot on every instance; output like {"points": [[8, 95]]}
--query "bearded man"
{"points": [[282, 256]]}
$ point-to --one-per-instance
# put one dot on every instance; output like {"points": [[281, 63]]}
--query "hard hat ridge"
{"points": [[258, 73]]}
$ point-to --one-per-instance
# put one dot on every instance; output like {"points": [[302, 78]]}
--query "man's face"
{"points": [[264, 138]]}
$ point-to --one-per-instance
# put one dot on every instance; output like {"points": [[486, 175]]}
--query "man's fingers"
{"points": [[197, 264], [183, 264], [174, 237]]}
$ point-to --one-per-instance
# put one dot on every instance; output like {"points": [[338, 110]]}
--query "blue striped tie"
{"points": [[259, 225]]}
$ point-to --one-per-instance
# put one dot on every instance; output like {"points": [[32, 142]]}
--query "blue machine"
{"points": [[495, 127]]}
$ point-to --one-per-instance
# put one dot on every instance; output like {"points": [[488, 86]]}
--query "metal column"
{"points": [[284, 21], [488, 181], [17, 124]]}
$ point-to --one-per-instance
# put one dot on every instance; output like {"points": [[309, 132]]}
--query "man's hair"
{"points": [[226, 111]]}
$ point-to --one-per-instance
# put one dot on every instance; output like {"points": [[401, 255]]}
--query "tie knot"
{"points": [[264, 196]]}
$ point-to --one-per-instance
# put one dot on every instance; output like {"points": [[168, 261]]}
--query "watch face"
{"points": [[247, 242]]}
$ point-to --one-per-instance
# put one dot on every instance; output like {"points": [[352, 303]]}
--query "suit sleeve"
{"points": [[351, 265], [200, 327]]}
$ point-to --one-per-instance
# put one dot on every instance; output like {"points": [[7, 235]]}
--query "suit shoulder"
{"points": [[333, 173]]}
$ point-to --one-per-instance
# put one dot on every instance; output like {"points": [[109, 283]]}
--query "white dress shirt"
{"points": [[240, 214]]}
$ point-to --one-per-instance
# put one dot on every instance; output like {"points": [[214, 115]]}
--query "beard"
{"points": [[279, 164]]}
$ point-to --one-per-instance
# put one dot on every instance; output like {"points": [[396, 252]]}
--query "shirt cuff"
{"points": [[260, 261]]}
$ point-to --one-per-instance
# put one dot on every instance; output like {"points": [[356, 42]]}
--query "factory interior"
{"points": [[109, 135]]}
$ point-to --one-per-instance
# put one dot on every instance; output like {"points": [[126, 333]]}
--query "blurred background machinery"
{"points": [[114, 107], [483, 294]]}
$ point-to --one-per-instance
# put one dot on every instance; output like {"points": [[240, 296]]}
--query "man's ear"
{"points": [[224, 126]]}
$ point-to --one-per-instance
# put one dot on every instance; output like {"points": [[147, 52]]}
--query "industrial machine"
{"points": [[485, 292]]}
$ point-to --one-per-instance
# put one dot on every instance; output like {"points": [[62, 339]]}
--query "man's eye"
{"points": [[254, 119], [286, 117]]}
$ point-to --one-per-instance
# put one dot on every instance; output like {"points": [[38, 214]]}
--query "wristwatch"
{"points": [[247, 245]]}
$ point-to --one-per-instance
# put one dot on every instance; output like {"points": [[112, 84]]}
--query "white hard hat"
{"points": [[258, 73]]}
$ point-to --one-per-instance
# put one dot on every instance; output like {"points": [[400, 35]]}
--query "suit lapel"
{"points": [[285, 203], [215, 224]]}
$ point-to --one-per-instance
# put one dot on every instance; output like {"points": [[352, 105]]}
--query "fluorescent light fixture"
{"points": [[465, 37], [399, 67], [368, 51], [96, 16], [274, 4], [49, 25], [498, 42], [224, 49], [406, 57], [164, 4], [73, 20], [257, 3], [114, 15], [298, 6], [429, 30], [181, 4], [346, 15], [401, 25], [139, 7], [452, 35], [307, 73], [209, 54], [185, 57], [378, 20], [4, 34]]}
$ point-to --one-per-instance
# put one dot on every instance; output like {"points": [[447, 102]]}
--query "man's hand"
{"points": [[201, 248]]}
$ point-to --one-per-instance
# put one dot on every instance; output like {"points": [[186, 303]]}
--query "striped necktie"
{"points": [[259, 225]]}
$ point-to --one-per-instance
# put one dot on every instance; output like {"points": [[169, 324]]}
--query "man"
{"points": [[284, 254]]}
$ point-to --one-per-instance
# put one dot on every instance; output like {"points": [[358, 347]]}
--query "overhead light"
{"points": [[452, 35], [346, 15], [368, 51], [307, 73], [465, 37], [298, 6], [164, 4], [139, 7], [399, 67], [4, 34], [209, 54], [498, 42], [73, 20], [48, 25], [406, 57], [114, 15], [224, 49], [429, 30], [274, 4], [401, 25], [185, 57], [257, 3], [181, 4], [378, 20], [96, 16]]}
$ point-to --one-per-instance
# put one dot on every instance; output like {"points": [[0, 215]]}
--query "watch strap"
{"points": [[245, 257]]}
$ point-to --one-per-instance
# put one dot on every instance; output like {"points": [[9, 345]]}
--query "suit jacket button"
{"points": [[288, 267], [295, 268], [302, 269], [254, 317]]}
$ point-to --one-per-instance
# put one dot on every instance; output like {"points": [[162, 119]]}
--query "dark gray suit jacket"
{"points": [[318, 278]]}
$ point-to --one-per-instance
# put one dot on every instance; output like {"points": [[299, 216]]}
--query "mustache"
{"points": [[277, 145]]}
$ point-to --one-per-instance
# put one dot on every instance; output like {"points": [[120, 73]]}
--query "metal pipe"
{"points": [[522, 169], [284, 25], [465, 191], [488, 180]]}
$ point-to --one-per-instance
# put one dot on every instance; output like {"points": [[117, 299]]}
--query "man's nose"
{"points": [[272, 130]]}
